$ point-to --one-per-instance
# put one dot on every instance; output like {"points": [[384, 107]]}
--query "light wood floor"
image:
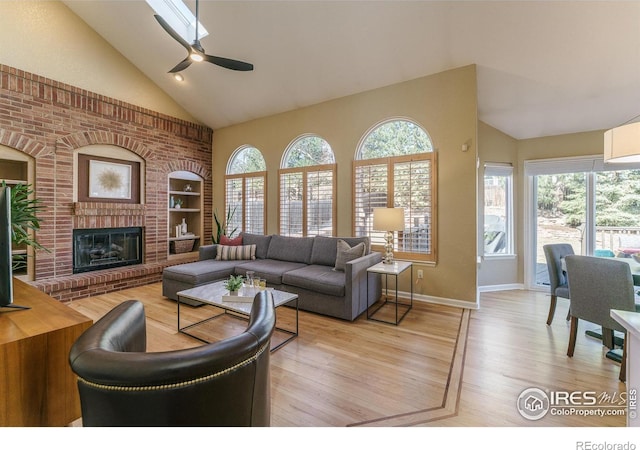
{"points": [[442, 366]]}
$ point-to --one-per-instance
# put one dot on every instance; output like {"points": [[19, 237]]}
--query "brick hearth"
{"points": [[49, 121]]}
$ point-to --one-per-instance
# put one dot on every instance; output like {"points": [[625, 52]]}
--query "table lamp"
{"points": [[388, 220]]}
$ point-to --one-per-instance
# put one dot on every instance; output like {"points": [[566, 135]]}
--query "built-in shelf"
{"points": [[187, 193], [183, 238], [190, 211]]}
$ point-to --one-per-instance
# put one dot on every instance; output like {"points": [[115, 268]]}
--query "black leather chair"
{"points": [[226, 383]]}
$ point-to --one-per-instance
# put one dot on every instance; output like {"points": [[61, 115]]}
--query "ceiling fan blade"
{"points": [[229, 63], [181, 65], [172, 32]]}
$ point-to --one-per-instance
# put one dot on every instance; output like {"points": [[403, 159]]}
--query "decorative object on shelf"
{"points": [[188, 188], [178, 230], [172, 202], [388, 220], [183, 246], [177, 204], [183, 225], [221, 227], [233, 284]]}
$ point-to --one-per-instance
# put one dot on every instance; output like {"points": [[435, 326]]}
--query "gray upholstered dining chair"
{"points": [[598, 285], [226, 383], [557, 278]]}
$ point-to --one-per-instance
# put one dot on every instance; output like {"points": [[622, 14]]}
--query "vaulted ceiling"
{"points": [[544, 68]]}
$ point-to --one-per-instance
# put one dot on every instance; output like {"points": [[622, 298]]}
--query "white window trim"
{"points": [[505, 170]]}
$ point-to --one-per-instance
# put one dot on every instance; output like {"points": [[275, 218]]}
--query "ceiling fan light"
{"points": [[196, 57]]}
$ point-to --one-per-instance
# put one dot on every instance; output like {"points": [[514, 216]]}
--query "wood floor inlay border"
{"points": [[452, 394]]}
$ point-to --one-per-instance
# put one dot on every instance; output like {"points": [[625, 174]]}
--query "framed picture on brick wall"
{"points": [[108, 180]]}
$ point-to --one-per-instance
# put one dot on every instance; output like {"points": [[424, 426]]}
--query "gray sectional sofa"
{"points": [[301, 265]]}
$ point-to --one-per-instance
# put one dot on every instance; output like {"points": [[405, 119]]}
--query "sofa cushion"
{"points": [[236, 252], [261, 241], [271, 270], [287, 248], [324, 249], [347, 253], [317, 278], [224, 240], [199, 272]]}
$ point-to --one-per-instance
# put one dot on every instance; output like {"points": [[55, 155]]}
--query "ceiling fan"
{"points": [[197, 53]]}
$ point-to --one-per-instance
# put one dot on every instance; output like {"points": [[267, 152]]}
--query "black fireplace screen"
{"points": [[103, 248]]}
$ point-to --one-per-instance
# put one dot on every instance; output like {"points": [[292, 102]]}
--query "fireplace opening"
{"points": [[104, 248]]}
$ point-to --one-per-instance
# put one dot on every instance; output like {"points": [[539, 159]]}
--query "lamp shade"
{"points": [[622, 144], [388, 219]]}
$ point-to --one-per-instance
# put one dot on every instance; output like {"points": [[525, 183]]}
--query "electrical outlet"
{"points": [[420, 274]]}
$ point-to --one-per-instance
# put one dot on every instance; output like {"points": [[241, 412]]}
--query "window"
{"points": [[582, 201], [498, 209], [395, 166], [307, 188], [179, 17], [245, 191]]}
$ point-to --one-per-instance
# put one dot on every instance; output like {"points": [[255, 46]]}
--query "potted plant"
{"points": [[24, 220], [177, 204], [233, 284], [221, 226]]}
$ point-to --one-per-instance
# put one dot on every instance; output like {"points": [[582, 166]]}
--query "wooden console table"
{"points": [[37, 386]]}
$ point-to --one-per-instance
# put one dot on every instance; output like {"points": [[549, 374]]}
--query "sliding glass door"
{"points": [[583, 202]]}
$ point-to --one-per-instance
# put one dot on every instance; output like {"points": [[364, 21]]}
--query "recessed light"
{"points": [[178, 77]]}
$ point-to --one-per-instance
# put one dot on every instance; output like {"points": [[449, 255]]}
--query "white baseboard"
{"points": [[441, 301], [501, 287]]}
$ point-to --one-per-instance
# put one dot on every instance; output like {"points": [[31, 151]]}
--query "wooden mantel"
{"points": [[37, 386]]}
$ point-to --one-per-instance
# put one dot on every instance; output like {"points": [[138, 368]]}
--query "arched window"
{"points": [[395, 167], [245, 191], [307, 188]]}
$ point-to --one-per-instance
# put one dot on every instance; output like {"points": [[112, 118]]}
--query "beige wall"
{"points": [[46, 38], [444, 104]]}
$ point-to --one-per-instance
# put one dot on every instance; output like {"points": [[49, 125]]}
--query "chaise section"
{"points": [[185, 276]]}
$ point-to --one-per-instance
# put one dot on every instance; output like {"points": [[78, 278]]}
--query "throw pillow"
{"points": [[347, 253], [224, 240], [236, 252]]}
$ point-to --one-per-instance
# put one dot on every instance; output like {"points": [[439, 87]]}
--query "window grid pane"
{"points": [[320, 203], [370, 192], [234, 201], [291, 197], [254, 193], [411, 181], [244, 195]]}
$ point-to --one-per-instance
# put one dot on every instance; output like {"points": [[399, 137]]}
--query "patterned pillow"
{"points": [[236, 252], [347, 253], [224, 240]]}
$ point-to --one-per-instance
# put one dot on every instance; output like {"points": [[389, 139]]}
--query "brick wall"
{"points": [[49, 121]]}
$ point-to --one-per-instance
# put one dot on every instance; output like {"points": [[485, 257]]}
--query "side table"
{"points": [[395, 270]]}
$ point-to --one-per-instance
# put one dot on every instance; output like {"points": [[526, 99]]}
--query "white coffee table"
{"points": [[211, 294]]}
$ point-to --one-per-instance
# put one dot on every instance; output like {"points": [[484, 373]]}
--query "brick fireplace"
{"points": [[52, 122]]}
